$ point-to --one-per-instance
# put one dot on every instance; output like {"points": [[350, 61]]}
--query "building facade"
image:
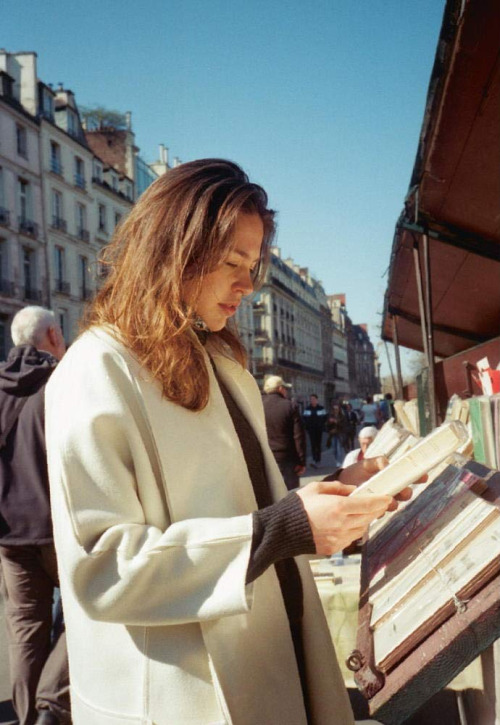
{"points": [[23, 244], [288, 328], [59, 204], [363, 362]]}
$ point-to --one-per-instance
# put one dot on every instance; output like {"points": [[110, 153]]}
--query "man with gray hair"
{"points": [[285, 431], [38, 667], [366, 436]]}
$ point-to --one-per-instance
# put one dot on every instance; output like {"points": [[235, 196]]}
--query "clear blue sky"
{"points": [[321, 101]]}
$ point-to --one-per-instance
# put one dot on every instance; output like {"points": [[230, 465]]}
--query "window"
{"points": [[55, 158], [24, 200], [81, 222], [84, 290], [57, 211], [118, 218], [63, 322], [29, 273], [22, 141], [102, 218], [79, 173], [47, 105], [59, 264], [114, 183], [97, 171], [72, 123]]}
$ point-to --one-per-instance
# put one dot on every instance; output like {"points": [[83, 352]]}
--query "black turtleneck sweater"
{"points": [[280, 531]]}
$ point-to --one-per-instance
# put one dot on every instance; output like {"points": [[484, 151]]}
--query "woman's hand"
{"points": [[359, 472], [336, 519]]}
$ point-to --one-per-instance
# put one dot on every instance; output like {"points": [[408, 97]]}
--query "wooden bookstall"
{"points": [[458, 625]]}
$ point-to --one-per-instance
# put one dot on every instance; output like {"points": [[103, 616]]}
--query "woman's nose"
{"points": [[244, 283]]}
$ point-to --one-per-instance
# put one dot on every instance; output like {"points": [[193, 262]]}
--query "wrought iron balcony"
{"points": [[85, 293], [7, 288], [32, 295], [83, 234], [28, 227], [59, 223], [62, 287], [261, 337], [4, 216], [80, 181], [56, 167]]}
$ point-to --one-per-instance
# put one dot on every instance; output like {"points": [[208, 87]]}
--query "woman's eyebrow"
{"points": [[245, 255]]}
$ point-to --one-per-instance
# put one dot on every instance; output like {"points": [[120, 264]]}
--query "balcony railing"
{"points": [[59, 223], [28, 227], [4, 216], [261, 337], [46, 114], [7, 288], [85, 293], [83, 234], [32, 295], [62, 287], [80, 181], [56, 167]]}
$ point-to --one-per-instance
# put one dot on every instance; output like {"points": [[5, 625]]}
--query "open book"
{"points": [[418, 460]]}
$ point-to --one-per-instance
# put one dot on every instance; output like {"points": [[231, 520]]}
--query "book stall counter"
{"points": [[429, 591]]}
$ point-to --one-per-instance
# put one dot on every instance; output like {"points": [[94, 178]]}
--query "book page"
{"points": [[444, 584], [428, 453]]}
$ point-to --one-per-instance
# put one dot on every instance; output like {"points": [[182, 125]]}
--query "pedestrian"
{"points": [[285, 431], [334, 427], [366, 436], [174, 530], [386, 408], [370, 412], [351, 419], [314, 422], [37, 646]]}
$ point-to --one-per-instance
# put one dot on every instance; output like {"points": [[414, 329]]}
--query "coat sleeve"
{"points": [[119, 562]]}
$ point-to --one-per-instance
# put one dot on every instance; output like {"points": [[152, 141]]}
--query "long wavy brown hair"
{"points": [[180, 229]]}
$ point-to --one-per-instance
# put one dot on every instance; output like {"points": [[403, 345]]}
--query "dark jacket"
{"points": [[285, 431], [315, 419], [24, 487]]}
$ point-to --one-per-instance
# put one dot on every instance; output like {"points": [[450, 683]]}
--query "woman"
{"points": [[172, 524]]}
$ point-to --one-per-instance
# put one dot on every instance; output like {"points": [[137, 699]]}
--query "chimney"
{"points": [[177, 161], [128, 120], [163, 154]]}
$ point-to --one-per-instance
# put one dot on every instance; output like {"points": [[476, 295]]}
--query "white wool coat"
{"points": [[152, 508]]}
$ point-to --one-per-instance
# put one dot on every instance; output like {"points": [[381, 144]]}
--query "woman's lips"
{"points": [[228, 309]]}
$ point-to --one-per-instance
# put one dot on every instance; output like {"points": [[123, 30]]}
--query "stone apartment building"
{"points": [[23, 249], [288, 328], [58, 204], [363, 363]]}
